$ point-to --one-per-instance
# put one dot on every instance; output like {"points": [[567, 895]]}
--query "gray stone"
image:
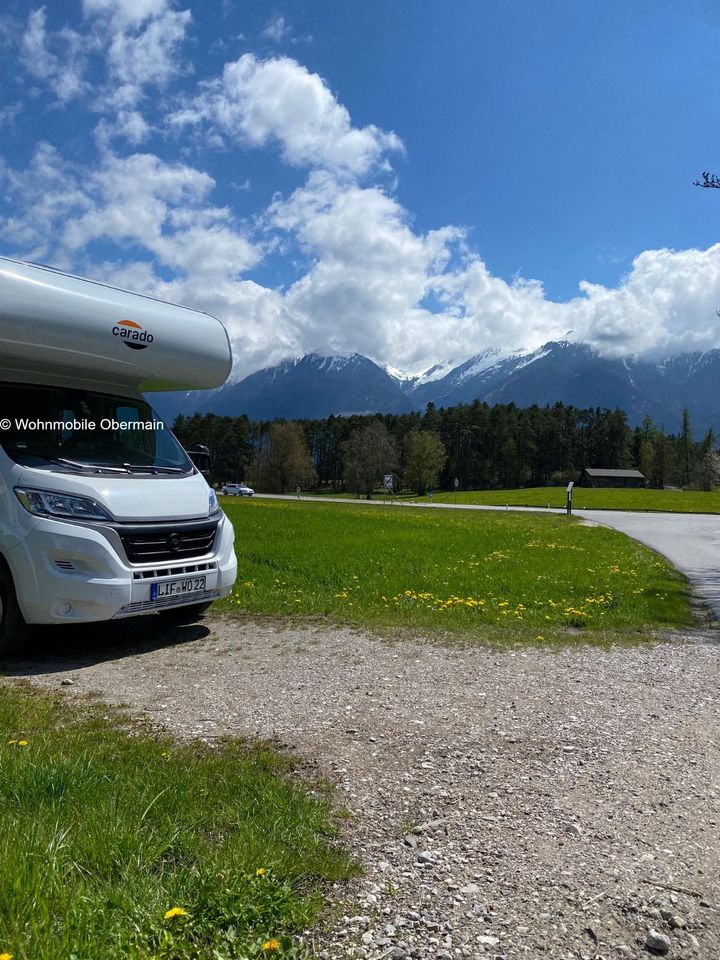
{"points": [[657, 941]]}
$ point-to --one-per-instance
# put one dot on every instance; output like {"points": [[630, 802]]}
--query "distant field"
{"points": [[664, 501], [457, 570]]}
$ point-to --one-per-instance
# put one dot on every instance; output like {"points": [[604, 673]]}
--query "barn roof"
{"points": [[602, 472]]}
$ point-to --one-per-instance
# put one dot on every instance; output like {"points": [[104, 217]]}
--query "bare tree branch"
{"points": [[710, 181]]}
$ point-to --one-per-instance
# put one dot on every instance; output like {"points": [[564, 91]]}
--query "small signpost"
{"points": [[569, 497], [456, 484], [388, 482]]}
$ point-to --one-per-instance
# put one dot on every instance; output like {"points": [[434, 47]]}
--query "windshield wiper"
{"points": [[95, 467], [152, 469]]}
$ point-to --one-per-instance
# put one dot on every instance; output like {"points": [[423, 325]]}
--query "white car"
{"points": [[237, 490]]}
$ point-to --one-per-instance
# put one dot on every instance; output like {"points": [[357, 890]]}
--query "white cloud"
{"points": [[146, 57], [125, 13], [372, 283], [370, 271], [131, 201], [276, 30], [9, 112], [139, 43], [128, 125], [59, 59], [666, 304], [368, 279], [261, 103]]}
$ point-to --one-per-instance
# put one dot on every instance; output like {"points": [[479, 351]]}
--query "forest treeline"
{"points": [[482, 446]]}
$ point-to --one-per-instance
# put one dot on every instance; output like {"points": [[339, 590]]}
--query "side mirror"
{"points": [[200, 457]]}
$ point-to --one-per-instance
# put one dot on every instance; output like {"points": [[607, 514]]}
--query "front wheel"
{"points": [[14, 631], [188, 614]]}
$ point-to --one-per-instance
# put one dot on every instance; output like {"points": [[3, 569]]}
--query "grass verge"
{"points": [[462, 571], [117, 844]]}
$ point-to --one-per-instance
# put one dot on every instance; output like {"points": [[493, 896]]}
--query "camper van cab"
{"points": [[102, 513]]}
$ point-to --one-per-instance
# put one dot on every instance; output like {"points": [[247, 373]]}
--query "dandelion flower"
{"points": [[260, 872], [6, 956], [270, 946], [175, 912], [22, 743]]}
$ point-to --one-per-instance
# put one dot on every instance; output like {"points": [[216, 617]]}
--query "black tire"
{"points": [[188, 614], [14, 631]]}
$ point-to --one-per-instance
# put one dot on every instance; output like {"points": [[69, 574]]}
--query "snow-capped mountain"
{"points": [[318, 385], [312, 386]]}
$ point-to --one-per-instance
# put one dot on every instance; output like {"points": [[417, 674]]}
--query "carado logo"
{"points": [[132, 334]]}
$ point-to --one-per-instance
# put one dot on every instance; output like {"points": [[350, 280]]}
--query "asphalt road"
{"points": [[690, 541]]}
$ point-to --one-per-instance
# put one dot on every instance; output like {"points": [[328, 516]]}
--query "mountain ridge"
{"points": [[321, 384]]}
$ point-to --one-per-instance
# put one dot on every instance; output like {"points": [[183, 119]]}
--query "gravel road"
{"points": [[515, 803]]}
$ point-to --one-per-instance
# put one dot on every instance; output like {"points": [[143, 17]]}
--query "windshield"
{"points": [[76, 430]]}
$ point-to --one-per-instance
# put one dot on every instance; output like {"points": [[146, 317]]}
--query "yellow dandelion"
{"points": [[22, 743], [175, 912], [6, 956], [260, 872], [11, 742], [270, 946]]}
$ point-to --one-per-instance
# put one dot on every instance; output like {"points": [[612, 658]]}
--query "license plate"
{"points": [[177, 588]]}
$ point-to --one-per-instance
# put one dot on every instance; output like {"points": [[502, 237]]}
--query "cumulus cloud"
{"points": [[125, 13], [261, 103], [137, 200], [148, 56], [138, 44], [367, 279], [368, 267], [59, 59], [276, 30]]}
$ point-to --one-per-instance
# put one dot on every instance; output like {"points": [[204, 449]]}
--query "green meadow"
{"points": [[662, 501], [476, 573], [117, 844], [607, 498]]}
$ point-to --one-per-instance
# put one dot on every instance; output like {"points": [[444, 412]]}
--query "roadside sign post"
{"points": [[569, 497], [456, 484]]}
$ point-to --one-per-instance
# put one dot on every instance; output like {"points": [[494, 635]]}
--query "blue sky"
{"points": [[415, 181]]}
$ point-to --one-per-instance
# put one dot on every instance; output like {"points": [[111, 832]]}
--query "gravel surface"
{"points": [[504, 803]]}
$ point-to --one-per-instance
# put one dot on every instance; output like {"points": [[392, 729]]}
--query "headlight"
{"points": [[213, 505], [46, 503]]}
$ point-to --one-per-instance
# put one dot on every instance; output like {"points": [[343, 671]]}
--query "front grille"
{"points": [[176, 570], [158, 543]]}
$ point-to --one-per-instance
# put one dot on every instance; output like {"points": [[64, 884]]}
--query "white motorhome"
{"points": [[102, 513]]}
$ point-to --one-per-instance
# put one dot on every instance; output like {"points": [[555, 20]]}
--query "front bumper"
{"points": [[66, 572]]}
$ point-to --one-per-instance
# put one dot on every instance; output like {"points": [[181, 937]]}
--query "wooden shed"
{"points": [[602, 477]]}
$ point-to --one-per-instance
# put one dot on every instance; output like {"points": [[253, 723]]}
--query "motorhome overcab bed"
{"points": [[102, 513]]}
